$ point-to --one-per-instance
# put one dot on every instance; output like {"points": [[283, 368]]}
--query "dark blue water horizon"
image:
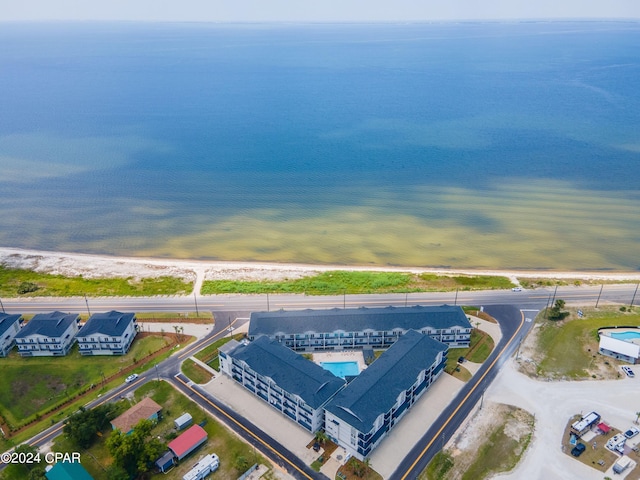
{"points": [[502, 145]]}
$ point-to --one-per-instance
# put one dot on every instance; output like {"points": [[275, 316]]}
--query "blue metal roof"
{"points": [[51, 325], [290, 371], [376, 389], [7, 321], [356, 320], [111, 324]]}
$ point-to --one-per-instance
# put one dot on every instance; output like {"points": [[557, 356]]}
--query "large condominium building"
{"points": [[360, 415], [317, 330], [288, 382], [48, 334]]}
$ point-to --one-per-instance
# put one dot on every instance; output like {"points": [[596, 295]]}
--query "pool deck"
{"points": [[341, 356]]}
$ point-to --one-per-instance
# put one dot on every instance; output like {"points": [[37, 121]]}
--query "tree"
{"points": [[241, 464], [321, 437], [136, 451], [82, 427], [556, 313], [21, 471], [114, 472]]}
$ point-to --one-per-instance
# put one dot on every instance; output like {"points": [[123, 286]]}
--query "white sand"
{"points": [[92, 266]]}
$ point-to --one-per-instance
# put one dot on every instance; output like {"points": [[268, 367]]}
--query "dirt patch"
{"points": [[465, 448]]}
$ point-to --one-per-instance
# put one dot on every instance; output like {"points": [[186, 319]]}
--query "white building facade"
{"points": [[48, 334], [108, 333]]}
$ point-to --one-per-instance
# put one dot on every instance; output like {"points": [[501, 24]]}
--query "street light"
{"points": [[157, 374], [87, 302]]}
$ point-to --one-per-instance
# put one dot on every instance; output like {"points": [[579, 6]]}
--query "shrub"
{"points": [[27, 287]]}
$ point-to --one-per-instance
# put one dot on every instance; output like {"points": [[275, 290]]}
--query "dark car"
{"points": [[578, 449]]}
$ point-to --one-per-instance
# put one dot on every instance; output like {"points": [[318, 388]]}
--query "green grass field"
{"points": [[569, 348], [24, 394], [195, 372], [210, 352], [61, 286], [346, 282], [479, 350]]}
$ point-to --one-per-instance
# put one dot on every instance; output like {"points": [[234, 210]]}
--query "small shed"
{"points": [[165, 462], [183, 421], [187, 442]]}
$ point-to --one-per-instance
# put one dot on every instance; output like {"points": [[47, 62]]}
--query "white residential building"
{"points": [[9, 328], [108, 333], [48, 334]]}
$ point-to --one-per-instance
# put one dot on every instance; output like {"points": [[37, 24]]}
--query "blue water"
{"points": [[466, 145], [341, 369], [625, 335]]}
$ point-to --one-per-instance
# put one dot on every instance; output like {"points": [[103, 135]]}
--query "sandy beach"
{"points": [[95, 266]]}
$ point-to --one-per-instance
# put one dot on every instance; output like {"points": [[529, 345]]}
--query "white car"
{"points": [[516, 289], [628, 371], [131, 378]]}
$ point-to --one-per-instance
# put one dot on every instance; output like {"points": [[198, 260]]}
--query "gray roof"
{"points": [[112, 324], [7, 320], [290, 371], [376, 389], [356, 320], [51, 325]]}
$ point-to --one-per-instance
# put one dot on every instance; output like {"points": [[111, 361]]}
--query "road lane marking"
{"points": [[253, 435], [448, 420], [208, 342]]}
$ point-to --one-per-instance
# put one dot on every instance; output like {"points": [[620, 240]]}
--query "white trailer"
{"points": [[204, 467]]}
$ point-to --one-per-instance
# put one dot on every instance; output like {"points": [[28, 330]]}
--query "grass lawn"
{"points": [[229, 448], [175, 317], [479, 350], [500, 451], [60, 286], [222, 442], [35, 385], [210, 352], [195, 372], [340, 282], [569, 348]]}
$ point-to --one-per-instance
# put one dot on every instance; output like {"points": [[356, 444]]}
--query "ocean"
{"points": [[475, 145]]}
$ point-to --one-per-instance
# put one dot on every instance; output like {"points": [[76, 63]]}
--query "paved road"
{"points": [[514, 327], [584, 296]]}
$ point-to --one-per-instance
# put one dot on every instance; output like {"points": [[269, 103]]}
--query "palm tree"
{"points": [[321, 437], [637, 416]]}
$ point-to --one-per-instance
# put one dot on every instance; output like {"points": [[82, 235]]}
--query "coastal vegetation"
{"points": [[569, 348], [496, 450], [339, 282], [195, 372], [27, 283]]}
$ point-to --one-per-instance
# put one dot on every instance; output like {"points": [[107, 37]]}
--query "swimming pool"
{"points": [[341, 369], [625, 335]]}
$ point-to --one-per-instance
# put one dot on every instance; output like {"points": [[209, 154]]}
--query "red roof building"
{"points": [[188, 441]]}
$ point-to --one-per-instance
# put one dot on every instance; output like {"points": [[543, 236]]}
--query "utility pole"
{"points": [[546, 310], [1, 305], [406, 298], [344, 299], [87, 302], [601, 287], [554, 295], [195, 300], [267, 302], [634, 295], [455, 302], [157, 374]]}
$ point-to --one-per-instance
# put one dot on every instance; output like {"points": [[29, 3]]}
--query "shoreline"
{"points": [[96, 265]]}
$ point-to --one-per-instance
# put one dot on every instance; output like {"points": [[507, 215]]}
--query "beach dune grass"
{"points": [[339, 282], [48, 285]]}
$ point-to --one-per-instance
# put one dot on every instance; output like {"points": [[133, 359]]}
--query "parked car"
{"points": [[632, 432], [516, 289], [628, 371], [578, 449], [131, 378]]}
